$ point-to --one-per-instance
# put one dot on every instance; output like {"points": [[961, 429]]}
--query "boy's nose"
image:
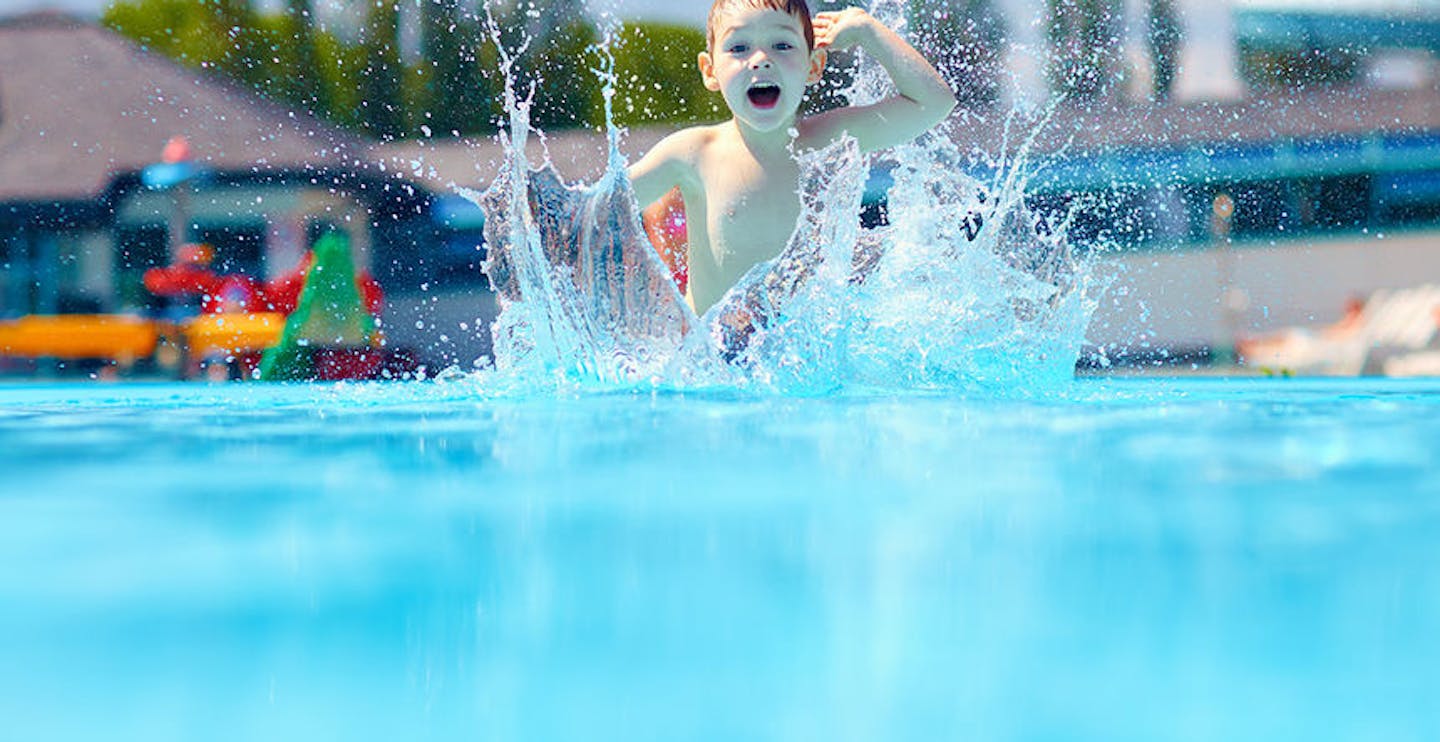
{"points": [[760, 62]]}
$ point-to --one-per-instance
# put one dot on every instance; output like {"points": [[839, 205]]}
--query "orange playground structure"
{"points": [[76, 336], [124, 339]]}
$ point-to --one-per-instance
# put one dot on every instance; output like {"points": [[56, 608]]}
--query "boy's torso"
{"points": [[748, 204]]}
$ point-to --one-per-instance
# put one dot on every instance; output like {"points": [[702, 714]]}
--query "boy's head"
{"points": [[797, 9], [760, 55]]}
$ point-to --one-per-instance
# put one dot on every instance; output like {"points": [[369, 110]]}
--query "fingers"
{"points": [[830, 16], [831, 24], [824, 28], [823, 35]]}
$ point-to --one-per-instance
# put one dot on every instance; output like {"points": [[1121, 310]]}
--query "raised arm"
{"points": [[924, 98]]}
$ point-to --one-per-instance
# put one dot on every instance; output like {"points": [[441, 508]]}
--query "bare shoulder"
{"points": [[685, 144], [673, 161]]}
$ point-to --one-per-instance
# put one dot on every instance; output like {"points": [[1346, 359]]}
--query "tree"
{"points": [[562, 69], [342, 67], [965, 40], [558, 62], [184, 30], [234, 17], [278, 58], [1084, 45], [305, 78], [383, 114], [454, 95], [440, 68], [453, 86], [1163, 40], [657, 79]]}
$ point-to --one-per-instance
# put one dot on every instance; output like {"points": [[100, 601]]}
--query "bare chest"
{"points": [[752, 210]]}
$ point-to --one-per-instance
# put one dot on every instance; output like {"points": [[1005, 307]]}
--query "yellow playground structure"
{"points": [[125, 339]]}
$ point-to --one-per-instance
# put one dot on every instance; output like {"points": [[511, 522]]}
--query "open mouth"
{"points": [[763, 94]]}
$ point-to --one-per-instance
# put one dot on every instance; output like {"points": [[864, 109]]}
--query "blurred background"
{"points": [[1263, 176]]}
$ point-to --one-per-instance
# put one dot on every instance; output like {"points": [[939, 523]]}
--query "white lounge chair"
{"points": [[1393, 321], [1424, 363], [1413, 329]]}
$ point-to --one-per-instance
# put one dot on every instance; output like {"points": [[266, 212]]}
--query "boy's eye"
{"points": [[784, 46], [739, 49]]}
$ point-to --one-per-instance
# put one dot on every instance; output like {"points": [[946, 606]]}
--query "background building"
{"points": [[1320, 121], [84, 117]]}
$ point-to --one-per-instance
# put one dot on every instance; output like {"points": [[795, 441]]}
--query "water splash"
{"points": [[966, 288], [579, 300]]}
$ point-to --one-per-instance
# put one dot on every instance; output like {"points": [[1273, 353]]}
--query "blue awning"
{"points": [[457, 212], [1277, 28]]}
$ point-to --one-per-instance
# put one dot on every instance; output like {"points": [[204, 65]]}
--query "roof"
{"points": [[442, 164], [79, 104], [1341, 7], [1337, 28]]}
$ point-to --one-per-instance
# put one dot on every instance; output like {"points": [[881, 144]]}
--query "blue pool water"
{"points": [[1119, 559]]}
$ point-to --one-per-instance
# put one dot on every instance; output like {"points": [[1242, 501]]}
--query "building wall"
{"points": [[49, 269], [1178, 298], [442, 328], [94, 260]]}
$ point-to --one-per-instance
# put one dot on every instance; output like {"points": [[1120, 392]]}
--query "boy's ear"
{"points": [[707, 72], [817, 67]]}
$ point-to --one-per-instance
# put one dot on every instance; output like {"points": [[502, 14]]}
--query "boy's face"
{"points": [[761, 65]]}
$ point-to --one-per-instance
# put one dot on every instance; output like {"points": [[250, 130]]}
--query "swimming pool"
{"points": [[1121, 559]]}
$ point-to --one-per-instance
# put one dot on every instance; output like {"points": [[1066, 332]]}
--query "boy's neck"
{"points": [[765, 144]]}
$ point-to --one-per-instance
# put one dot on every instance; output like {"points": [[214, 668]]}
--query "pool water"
{"points": [[1117, 559]]}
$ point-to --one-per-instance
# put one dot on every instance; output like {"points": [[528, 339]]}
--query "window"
{"points": [[238, 248], [458, 260], [1099, 219], [137, 249], [1408, 198], [1262, 208], [141, 247], [1116, 218], [874, 213], [1340, 203]]}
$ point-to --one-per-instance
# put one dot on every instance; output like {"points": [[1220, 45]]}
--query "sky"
{"points": [[686, 11]]}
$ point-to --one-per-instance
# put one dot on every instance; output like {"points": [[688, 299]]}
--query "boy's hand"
{"points": [[842, 29], [922, 98]]}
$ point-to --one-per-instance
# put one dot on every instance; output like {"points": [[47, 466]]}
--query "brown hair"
{"points": [[796, 8]]}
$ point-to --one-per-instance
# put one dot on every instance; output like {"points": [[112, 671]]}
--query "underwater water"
{"points": [[1142, 559]]}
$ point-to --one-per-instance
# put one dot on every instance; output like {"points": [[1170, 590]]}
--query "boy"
{"points": [[739, 179]]}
